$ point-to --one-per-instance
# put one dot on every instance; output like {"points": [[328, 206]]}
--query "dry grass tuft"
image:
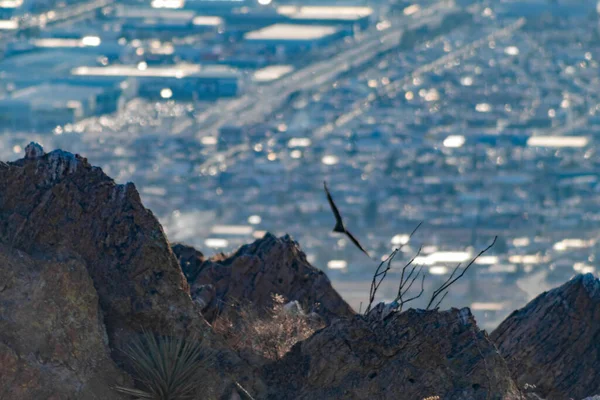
{"points": [[271, 334]]}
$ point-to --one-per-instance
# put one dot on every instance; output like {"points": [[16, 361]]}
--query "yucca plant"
{"points": [[167, 367]]}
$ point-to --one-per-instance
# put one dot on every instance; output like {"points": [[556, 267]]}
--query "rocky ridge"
{"points": [[410, 355], [84, 266], [257, 271]]}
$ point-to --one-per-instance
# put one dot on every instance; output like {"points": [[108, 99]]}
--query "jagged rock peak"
{"points": [[591, 284], [263, 246], [552, 343], [256, 271], [34, 150], [55, 165], [58, 202]]}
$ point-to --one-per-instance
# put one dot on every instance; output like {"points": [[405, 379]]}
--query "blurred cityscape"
{"points": [[479, 118]]}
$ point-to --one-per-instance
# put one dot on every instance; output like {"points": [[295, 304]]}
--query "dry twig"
{"points": [[380, 274], [451, 279]]}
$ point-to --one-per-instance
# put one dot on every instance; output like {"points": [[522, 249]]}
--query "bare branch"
{"points": [[375, 283], [453, 279], [402, 279], [437, 305], [402, 301], [413, 232], [380, 273], [414, 279], [244, 391]]}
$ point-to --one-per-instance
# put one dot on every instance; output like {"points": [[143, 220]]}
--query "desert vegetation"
{"points": [[270, 334], [166, 367]]}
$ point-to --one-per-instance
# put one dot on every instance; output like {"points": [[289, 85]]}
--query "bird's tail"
{"points": [[339, 227]]}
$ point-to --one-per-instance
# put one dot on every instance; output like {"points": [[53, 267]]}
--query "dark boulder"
{"points": [[553, 343]]}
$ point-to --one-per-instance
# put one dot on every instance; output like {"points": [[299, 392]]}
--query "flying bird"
{"points": [[339, 224]]}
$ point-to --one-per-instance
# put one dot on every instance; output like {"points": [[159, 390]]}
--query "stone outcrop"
{"points": [[57, 203], [53, 343], [553, 342], [256, 271], [411, 355]]}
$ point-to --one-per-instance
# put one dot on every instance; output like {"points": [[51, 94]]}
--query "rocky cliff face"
{"points": [[57, 203], [409, 355], [553, 342], [268, 266], [53, 343]]}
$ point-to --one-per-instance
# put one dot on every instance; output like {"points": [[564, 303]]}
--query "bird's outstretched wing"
{"points": [[339, 224], [356, 243]]}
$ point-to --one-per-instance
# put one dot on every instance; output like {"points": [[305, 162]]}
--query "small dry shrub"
{"points": [[270, 334]]}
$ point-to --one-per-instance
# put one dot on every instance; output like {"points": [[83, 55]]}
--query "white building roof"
{"points": [[11, 3], [9, 24], [158, 13], [271, 73], [325, 12], [291, 32], [558, 141], [176, 71], [86, 41], [207, 21]]}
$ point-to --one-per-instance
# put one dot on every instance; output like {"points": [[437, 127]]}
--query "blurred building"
{"points": [[46, 106], [291, 38], [156, 23], [349, 17], [178, 82]]}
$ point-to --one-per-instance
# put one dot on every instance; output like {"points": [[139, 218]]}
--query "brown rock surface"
{"points": [[268, 266], [554, 341], [53, 343], [411, 355], [57, 203]]}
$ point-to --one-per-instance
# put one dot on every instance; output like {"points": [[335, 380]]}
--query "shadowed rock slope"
{"points": [[411, 355], [554, 341], [268, 266]]}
